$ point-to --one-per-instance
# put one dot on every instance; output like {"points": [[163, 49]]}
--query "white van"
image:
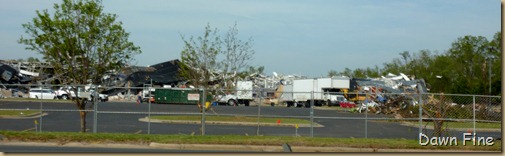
{"points": [[38, 93]]}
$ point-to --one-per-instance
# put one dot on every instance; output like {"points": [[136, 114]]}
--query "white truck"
{"points": [[324, 91], [286, 97], [101, 97], [67, 92], [148, 93], [243, 95]]}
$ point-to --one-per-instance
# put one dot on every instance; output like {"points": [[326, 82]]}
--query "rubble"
{"points": [[390, 94], [135, 76], [114, 82]]}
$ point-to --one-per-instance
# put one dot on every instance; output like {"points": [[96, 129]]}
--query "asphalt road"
{"points": [[123, 117]]}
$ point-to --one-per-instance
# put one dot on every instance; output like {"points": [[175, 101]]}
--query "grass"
{"points": [[233, 119], [36, 100], [487, 125], [18, 113], [63, 137]]}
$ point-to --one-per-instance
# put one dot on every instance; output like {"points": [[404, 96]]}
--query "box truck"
{"points": [[243, 94], [324, 91]]}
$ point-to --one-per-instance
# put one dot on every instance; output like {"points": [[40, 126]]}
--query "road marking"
{"points": [[138, 132], [28, 129]]}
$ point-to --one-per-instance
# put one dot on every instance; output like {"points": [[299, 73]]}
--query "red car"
{"points": [[347, 104]]}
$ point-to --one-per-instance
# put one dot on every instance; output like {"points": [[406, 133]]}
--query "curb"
{"points": [[75, 144], [254, 148], [279, 148], [146, 119], [36, 115], [231, 148]]}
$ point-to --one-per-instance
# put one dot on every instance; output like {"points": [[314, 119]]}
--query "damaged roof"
{"points": [[161, 73], [393, 84]]}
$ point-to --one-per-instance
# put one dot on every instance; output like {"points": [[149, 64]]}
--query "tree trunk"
{"points": [[438, 127], [83, 114], [81, 104], [439, 121]]}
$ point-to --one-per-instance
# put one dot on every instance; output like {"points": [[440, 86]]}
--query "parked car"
{"points": [[101, 97], [67, 92], [39, 93], [341, 101], [63, 93]]}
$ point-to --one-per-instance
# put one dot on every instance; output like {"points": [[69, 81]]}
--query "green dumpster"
{"points": [[179, 96]]}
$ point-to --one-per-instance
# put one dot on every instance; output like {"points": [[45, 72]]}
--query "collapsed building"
{"points": [[13, 74], [161, 74], [390, 94], [397, 89]]}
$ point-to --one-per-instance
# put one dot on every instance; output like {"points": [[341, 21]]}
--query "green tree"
{"points": [[494, 53], [406, 57], [359, 73], [332, 73], [347, 72], [81, 42], [236, 53], [469, 55], [253, 70], [395, 67], [29, 59], [261, 69], [204, 59], [33, 59], [441, 74], [199, 58], [372, 72]]}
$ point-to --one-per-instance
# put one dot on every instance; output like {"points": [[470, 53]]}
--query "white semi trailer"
{"points": [[322, 90]]}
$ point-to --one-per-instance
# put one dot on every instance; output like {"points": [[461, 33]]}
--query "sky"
{"points": [[302, 37]]}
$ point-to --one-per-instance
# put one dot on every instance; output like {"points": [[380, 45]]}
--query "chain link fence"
{"points": [[263, 112]]}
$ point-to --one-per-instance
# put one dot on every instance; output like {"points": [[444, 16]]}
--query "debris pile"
{"points": [[390, 95]]}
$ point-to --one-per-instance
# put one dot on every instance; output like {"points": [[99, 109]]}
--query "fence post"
{"points": [[312, 115], [41, 112], [420, 110], [474, 122], [149, 107], [366, 115], [40, 118], [203, 111], [95, 108], [259, 112]]}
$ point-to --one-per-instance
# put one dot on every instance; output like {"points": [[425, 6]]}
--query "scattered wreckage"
{"points": [[387, 95], [391, 94], [17, 77]]}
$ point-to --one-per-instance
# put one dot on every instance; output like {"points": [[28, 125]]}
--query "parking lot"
{"points": [[123, 117]]}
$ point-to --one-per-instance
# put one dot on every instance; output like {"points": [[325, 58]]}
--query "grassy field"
{"points": [[233, 119], [36, 100], [64, 137], [18, 113]]}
